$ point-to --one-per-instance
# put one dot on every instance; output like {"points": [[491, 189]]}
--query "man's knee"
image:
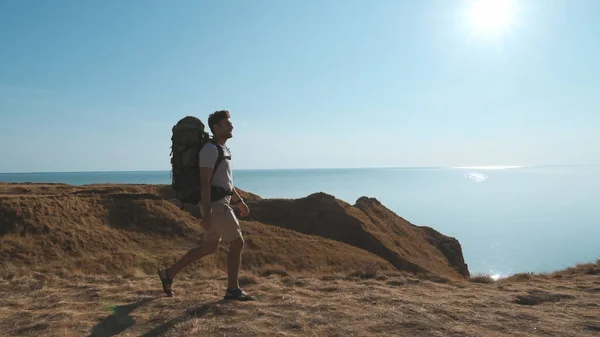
{"points": [[237, 243], [210, 247]]}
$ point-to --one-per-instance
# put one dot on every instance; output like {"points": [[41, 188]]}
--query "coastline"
{"points": [[80, 260]]}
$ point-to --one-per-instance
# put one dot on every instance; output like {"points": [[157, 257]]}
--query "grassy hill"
{"points": [[80, 261], [370, 226], [134, 229]]}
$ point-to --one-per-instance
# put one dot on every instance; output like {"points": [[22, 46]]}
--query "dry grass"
{"points": [[297, 305], [133, 229], [130, 230], [369, 226], [583, 268], [80, 261], [485, 279], [273, 270]]}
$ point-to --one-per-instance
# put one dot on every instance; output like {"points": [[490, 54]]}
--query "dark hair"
{"points": [[216, 118]]}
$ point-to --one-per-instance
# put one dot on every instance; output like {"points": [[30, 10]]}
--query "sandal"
{"points": [[239, 295], [166, 282]]}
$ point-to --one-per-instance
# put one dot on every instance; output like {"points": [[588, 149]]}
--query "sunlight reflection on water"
{"points": [[476, 177]]}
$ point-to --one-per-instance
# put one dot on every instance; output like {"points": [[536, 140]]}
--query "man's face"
{"points": [[224, 129]]}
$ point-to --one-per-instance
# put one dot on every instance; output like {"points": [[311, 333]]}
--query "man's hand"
{"points": [[244, 210], [206, 223]]}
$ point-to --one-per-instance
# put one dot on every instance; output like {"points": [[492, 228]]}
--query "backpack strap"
{"points": [[216, 191], [220, 157]]}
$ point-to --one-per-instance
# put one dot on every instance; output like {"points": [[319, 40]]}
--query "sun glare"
{"points": [[489, 19]]}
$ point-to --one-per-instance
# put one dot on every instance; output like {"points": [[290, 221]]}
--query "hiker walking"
{"points": [[217, 194]]}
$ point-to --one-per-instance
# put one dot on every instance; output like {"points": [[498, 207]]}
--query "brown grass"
{"points": [[80, 261], [273, 270], [124, 230], [296, 305], [485, 279], [133, 229], [370, 226], [583, 268]]}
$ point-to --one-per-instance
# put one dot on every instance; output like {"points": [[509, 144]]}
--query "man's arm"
{"points": [[208, 158], [235, 197], [205, 177], [239, 202]]}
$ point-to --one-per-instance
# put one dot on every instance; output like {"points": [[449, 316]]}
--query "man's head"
{"points": [[220, 124]]}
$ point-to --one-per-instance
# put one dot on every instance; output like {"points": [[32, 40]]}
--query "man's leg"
{"points": [[208, 246], [231, 233], [193, 255], [234, 261]]}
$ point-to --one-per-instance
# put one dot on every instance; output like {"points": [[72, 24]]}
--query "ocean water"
{"points": [[509, 220]]}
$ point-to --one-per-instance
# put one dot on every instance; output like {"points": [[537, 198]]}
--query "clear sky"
{"points": [[98, 84]]}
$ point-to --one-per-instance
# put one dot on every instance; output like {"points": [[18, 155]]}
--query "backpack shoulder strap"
{"points": [[220, 157]]}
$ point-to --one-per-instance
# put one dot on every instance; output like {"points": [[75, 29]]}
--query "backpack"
{"points": [[188, 138]]}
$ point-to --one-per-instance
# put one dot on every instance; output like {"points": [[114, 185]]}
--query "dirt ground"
{"points": [[300, 305]]}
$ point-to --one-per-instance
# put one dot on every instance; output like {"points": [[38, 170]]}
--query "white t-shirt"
{"points": [[208, 158]]}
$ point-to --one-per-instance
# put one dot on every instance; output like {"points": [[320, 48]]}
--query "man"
{"points": [[218, 218]]}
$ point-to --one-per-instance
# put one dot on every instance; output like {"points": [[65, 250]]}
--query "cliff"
{"points": [[370, 226], [137, 228]]}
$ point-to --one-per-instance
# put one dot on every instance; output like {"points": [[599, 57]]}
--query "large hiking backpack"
{"points": [[187, 140]]}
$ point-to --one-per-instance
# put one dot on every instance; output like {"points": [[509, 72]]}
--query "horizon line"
{"points": [[474, 167]]}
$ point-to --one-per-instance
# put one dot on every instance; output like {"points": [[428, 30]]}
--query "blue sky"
{"points": [[97, 85]]}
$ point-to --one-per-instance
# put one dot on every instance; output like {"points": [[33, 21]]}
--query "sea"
{"points": [[507, 219]]}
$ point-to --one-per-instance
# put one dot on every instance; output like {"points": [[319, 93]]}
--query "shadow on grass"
{"points": [[213, 308], [119, 321]]}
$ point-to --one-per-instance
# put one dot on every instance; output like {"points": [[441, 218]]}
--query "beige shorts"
{"points": [[225, 224]]}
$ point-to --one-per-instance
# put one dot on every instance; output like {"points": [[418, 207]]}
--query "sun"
{"points": [[490, 19]]}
